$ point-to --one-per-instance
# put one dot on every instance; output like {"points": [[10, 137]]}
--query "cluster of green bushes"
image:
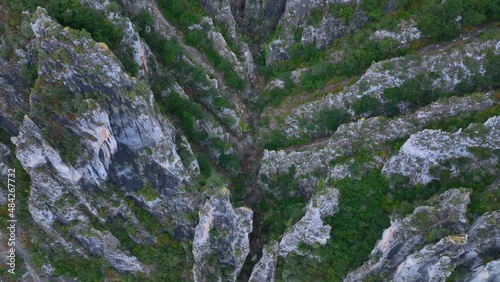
{"points": [[185, 13], [182, 13], [277, 213], [366, 104], [355, 60], [167, 257], [323, 122], [277, 139], [185, 110], [64, 140], [418, 92], [452, 124], [55, 105], [328, 120], [409, 96], [435, 19], [276, 95], [231, 162], [413, 93], [438, 20], [355, 229], [78, 16], [343, 12], [171, 53]]}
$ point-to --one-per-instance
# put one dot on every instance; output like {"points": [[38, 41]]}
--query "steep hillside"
{"points": [[235, 140]]}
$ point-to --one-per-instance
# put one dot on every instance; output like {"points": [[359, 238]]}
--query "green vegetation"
{"points": [[55, 105], [454, 123], [356, 228], [438, 20], [366, 105], [277, 213], [419, 91], [323, 122], [182, 13], [78, 16], [277, 139], [64, 140], [328, 120], [148, 192], [276, 95], [199, 39], [412, 94], [364, 209], [169, 259], [185, 13], [185, 110], [75, 266]]}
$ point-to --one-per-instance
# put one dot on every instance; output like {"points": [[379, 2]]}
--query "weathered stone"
{"points": [[221, 235]]}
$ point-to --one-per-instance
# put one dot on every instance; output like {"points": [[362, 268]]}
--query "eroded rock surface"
{"points": [[443, 215], [221, 235]]}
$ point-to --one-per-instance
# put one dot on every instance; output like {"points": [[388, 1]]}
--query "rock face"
{"points": [[488, 273], [261, 15], [221, 236], [443, 215], [484, 240], [397, 256]]}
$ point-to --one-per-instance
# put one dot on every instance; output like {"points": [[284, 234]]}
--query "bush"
{"points": [[230, 162], [366, 104], [64, 140], [412, 94], [78, 16]]}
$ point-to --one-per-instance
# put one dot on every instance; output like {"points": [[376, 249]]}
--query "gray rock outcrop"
{"points": [[221, 241]]}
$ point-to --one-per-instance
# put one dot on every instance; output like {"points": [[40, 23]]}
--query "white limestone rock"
{"points": [[265, 269], [221, 234], [443, 215]]}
